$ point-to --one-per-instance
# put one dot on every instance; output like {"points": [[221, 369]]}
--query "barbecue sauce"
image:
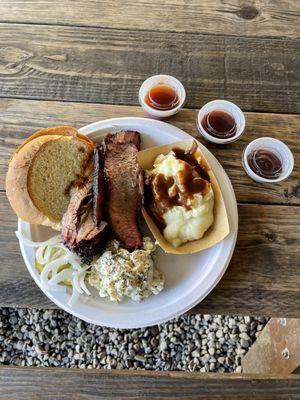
{"points": [[265, 163], [219, 124], [162, 97]]}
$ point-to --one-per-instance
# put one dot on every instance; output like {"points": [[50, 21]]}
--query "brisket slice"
{"points": [[124, 181], [80, 232], [80, 201], [126, 137], [91, 238]]}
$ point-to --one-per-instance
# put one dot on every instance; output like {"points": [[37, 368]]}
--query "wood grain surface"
{"points": [[276, 350], [64, 384], [19, 119], [103, 65], [237, 17]]}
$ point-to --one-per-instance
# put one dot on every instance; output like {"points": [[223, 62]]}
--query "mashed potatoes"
{"points": [[187, 212], [185, 225], [118, 274]]}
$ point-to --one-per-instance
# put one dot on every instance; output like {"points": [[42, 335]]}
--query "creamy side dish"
{"points": [[118, 273], [180, 197]]}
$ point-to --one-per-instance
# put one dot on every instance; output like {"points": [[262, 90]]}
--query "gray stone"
{"points": [[163, 345], [205, 358], [245, 343], [243, 328], [219, 334], [211, 351], [140, 358], [195, 353], [245, 336], [189, 343]]}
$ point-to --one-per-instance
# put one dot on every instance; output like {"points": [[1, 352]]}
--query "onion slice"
{"points": [[53, 254]]}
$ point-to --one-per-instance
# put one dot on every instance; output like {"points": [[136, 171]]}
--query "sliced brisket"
{"points": [[80, 202], [91, 238], [81, 232], [124, 181]]}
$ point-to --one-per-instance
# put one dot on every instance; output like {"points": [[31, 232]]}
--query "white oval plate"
{"points": [[189, 278]]}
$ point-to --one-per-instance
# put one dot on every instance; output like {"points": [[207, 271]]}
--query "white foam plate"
{"points": [[189, 278]]}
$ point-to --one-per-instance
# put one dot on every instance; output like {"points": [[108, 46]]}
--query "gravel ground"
{"points": [[189, 343]]}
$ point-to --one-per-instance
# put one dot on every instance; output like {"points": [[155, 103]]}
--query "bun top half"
{"points": [[42, 171]]}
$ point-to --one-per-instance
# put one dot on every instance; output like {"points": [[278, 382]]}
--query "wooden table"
{"points": [[262, 278], [76, 62]]}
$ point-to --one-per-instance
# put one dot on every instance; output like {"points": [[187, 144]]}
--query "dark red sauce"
{"points": [[219, 124], [265, 163], [162, 97]]}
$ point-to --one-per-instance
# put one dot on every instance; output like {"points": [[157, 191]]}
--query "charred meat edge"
{"points": [[83, 230]]}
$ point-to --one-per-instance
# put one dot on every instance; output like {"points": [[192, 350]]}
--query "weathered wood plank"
{"points": [[20, 118], [108, 66], [277, 349], [236, 17], [33, 384], [262, 278]]}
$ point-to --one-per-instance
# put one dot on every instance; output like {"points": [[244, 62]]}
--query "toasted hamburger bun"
{"points": [[42, 171]]}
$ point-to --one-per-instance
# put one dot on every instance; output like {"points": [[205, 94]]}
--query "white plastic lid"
{"points": [[163, 79], [280, 149], [227, 106]]}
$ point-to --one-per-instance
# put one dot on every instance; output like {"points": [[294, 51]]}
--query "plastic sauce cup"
{"points": [[227, 106], [161, 79], [280, 149]]}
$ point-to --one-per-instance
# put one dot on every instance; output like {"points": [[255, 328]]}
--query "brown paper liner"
{"points": [[220, 228]]}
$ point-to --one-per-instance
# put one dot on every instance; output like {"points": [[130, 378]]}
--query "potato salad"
{"points": [[118, 274]]}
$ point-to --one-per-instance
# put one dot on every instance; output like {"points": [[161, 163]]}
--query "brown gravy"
{"points": [[190, 159], [151, 209], [162, 193]]}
